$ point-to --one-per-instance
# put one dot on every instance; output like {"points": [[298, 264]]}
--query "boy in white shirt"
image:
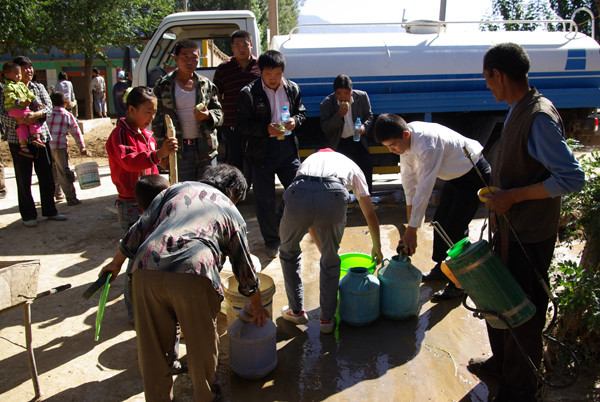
{"points": [[429, 151]]}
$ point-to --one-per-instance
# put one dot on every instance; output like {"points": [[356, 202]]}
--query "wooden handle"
{"points": [[173, 156]]}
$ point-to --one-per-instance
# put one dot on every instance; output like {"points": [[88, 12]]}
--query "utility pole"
{"points": [[273, 18], [442, 10]]}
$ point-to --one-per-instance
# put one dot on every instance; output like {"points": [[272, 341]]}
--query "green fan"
{"points": [[101, 306]]}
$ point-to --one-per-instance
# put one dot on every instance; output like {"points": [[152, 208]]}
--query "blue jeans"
{"points": [[322, 204], [282, 160], [190, 167]]}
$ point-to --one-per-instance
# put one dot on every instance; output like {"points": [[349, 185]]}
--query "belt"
{"points": [[190, 141], [328, 179]]}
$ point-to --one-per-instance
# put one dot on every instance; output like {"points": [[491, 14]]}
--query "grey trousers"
{"points": [[322, 204], [64, 177]]}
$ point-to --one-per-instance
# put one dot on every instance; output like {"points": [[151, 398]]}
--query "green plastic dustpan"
{"points": [[101, 307]]}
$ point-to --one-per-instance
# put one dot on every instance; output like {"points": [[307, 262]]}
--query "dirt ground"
{"points": [[420, 359]]}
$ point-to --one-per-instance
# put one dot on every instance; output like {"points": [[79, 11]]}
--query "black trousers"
{"points": [[42, 163], [356, 151], [458, 205], [518, 381]]}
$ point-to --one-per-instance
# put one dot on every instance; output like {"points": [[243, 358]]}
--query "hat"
{"points": [[121, 75]]}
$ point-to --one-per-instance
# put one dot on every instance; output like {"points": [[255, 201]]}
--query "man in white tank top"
{"points": [[191, 101]]}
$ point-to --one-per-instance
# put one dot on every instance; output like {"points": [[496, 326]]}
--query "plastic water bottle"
{"points": [[357, 127], [285, 116]]}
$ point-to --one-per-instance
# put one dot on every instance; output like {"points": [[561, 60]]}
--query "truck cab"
{"points": [[210, 29]]}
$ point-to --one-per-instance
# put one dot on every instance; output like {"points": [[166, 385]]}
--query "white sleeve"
{"points": [[429, 162], [409, 170]]}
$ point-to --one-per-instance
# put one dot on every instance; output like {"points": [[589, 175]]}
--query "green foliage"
{"points": [[565, 9], [517, 10], [22, 25], [577, 291], [583, 207], [541, 9], [87, 26]]}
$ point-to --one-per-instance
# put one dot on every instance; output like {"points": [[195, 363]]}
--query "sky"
{"points": [[337, 11]]}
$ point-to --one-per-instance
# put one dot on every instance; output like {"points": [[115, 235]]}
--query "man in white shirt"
{"points": [[429, 151], [316, 202], [66, 87], [98, 90]]}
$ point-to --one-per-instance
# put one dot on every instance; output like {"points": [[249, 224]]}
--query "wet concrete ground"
{"points": [[420, 359]]}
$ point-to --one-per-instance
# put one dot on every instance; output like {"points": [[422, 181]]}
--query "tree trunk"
{"points": [[89, 107], [590, 259]]}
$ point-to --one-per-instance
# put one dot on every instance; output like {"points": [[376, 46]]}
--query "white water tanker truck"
{"points": [[427, 73]]}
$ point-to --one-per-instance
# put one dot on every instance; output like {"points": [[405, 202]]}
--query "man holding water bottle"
{"points": [[259, 114], [339, 114]]}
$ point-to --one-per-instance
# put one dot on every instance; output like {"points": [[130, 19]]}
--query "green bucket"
{"points": [[489, 283], [356, 260]]}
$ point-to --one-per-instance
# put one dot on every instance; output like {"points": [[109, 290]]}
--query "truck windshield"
{"points": [[213, 40]]}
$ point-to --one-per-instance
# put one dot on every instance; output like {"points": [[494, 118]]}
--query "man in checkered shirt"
{"points": [[60, 124]]}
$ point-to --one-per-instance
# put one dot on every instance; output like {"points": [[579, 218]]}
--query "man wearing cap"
{"points": [[118, 91], [316, 201]]}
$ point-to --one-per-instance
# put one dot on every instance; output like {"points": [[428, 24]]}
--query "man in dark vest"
{"points": [[534, 168]]}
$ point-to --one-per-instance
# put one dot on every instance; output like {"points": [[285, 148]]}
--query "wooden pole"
{"points": [[173, 156], [273, 18], [30, 356]]}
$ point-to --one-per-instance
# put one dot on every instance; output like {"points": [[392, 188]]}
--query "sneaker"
{"points": [[59, 197], [435, 274], [57, 217], [450, 292], [38, 143], [30, 224], [327, 326], [288, 314], [25, 152], [73, 201]]}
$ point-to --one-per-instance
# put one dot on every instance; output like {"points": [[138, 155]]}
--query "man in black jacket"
{"points": [[270, 145]]}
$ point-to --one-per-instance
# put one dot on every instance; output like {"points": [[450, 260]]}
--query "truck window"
{"points": [[213, 41]]}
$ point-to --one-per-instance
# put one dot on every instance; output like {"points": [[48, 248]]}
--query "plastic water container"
{"points": [[235, 302], [489, 283], [359, 297], [88, 175], [356, 260], [285, 116], [399, 292], [252, 349], [357, 127]]}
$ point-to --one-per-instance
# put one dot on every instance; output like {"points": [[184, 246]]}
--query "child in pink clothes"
{"points": [[17, 98]]}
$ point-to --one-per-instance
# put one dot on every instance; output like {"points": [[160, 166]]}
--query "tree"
{"points": [[21, 28], [518, 10], [565, 9], [543, 9], [87, 26]]}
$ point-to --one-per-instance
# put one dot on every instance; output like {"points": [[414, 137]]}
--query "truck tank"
{"points": [[429, 73]]}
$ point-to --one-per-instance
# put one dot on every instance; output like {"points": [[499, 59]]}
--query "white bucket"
{"points": [[234, 301], [87, 175], [227, 271]]}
